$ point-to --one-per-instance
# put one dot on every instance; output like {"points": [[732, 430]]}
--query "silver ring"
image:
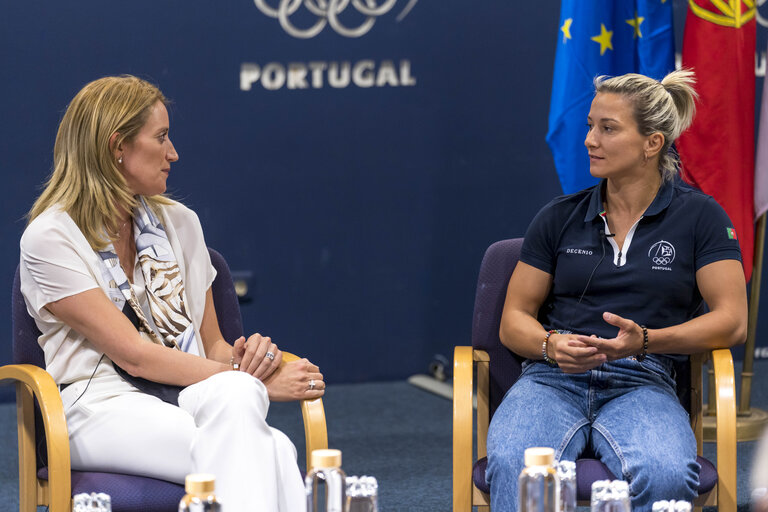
{"points": [[311, 384], [270, 356]]}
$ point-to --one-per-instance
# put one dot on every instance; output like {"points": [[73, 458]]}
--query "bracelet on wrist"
{"points": [[544, 354], [641, 356]]}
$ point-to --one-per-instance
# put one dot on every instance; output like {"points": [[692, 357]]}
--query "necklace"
{"points": [[120, 229]]}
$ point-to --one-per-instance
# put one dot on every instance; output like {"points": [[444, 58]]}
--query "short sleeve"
{"points": [[51, 265], [196, 248], [539, 245], [716, 239]]}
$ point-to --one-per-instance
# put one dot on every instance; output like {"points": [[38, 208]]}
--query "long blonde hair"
{"points": [[86, 182], [666, 107]]}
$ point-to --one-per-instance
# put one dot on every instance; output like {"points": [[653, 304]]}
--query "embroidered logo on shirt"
{"points": [[662, 254], [731, 233], [578, 251]]}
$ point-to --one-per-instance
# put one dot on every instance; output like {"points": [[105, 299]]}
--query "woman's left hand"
{"points": [[257, 356], [628, 342]]}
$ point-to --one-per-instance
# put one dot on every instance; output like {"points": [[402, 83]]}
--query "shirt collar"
{"points": [[659, 204]]}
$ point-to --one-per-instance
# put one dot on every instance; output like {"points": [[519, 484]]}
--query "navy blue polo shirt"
{"points": [[651, 279]]}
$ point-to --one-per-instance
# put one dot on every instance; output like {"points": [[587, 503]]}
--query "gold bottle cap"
{"points": [[200, 483], [539, 457], [326, 458]]}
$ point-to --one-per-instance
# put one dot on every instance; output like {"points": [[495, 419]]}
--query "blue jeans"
{"points": [[625, 411]]}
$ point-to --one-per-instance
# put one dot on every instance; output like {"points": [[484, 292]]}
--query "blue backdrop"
{"points": [[358, 180]]}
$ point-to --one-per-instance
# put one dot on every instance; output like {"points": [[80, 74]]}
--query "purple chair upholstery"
{"points": [[504, 367], [129, 493]]}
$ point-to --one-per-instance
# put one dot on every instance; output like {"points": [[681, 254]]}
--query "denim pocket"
{"points": [[662, 368], [527, 365]]}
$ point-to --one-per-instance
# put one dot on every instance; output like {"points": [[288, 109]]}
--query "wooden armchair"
{"points": [[45, 476], [497, 369]]}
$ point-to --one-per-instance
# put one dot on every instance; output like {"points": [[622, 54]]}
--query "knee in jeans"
{"points": [[666, 479], [504, 463]]}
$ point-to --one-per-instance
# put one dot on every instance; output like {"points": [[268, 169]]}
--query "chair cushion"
{"points": [[136, 493], [591, 470]]}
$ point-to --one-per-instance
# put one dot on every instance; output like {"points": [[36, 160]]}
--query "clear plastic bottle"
{"points": [[200, 495], [671, 506], [93, 502], [361, 494], [566, 474], [325, 484], [539, 489], [610, 496]]}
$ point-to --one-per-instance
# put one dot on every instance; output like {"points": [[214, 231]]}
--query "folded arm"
{"points": [[93, 315], [722, 287]]}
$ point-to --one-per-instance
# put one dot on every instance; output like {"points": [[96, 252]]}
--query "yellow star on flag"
{"points": [[635, 22], [604, 39], [566, 28]]}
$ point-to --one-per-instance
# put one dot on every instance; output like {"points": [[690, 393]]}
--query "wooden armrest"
{"points": [[462, 428], [725, 409], [34, 382], [313, 412]]}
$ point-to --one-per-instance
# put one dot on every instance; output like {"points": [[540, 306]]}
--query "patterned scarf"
{"points": [[162, 281]]}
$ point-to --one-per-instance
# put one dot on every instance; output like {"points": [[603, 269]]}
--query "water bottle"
{"points": [[566, 474], [324, 485], [610, 496], [93, 502], [671, 506], [361, 494], [539, 489], [200, 496]]}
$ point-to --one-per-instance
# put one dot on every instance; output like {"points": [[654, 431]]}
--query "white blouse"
{"points": [[57, 262]]}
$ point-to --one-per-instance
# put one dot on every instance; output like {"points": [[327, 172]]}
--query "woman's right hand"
{"points": [[292, 382], [572, 355]]}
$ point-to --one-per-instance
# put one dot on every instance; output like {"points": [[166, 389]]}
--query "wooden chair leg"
{"points": [[725, 408], [25, 423], [462, 429]]}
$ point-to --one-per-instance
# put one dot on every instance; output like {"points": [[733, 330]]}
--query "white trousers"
{"points": [[219, 427]]}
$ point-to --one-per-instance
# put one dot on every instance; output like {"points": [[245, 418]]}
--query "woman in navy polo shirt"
{"points": [[604, 298]]}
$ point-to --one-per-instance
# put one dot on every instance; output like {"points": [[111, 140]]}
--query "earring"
{"points": [[645, 158], [120, 160]]}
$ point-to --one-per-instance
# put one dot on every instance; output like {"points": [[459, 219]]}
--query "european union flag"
{"points": [[600, 37]]}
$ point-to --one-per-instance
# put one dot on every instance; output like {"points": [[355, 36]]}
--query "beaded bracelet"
{"points": [[641, 357], [546, 357]]}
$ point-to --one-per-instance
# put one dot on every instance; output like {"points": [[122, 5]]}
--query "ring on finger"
{"points": [[311, 384], [270, 356]]}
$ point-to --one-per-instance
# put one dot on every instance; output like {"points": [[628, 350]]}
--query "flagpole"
{"points": [[754, 298], [750, 421]]}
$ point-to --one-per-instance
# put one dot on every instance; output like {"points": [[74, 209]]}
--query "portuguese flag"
{"points": [[718, 150]]}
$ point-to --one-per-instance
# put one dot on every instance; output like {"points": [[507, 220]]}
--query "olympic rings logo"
{"points": [[762, 21], [662, 253], [327, 12]]}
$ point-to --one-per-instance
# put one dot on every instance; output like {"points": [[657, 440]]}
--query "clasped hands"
{"points": [[577, 353], [297, 380]]}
